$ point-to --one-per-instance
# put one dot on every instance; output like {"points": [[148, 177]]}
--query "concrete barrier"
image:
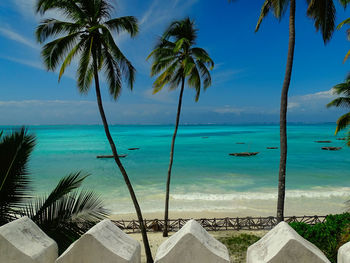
{"points": [[284, 244], [22, 241], [104, 243], [192, 244], [344, 253]]}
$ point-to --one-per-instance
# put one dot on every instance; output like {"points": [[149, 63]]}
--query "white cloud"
{"points": [[229, 109], [164, 96], [25, 7], [310, 102], [12, 35]]}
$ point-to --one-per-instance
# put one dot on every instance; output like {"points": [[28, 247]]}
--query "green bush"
{"points": [[327, 236], [238, 245]]}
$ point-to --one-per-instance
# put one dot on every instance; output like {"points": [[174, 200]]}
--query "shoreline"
{"points": [[247, 208]]}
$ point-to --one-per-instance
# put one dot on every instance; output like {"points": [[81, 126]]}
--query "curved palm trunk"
{"points": [[121, 167], [283, 115], [166, 214]]}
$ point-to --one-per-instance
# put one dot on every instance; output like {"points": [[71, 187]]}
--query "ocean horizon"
{"points": [[205, 177]]}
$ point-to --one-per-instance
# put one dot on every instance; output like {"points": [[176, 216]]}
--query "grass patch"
{"points": [[238, 245]]}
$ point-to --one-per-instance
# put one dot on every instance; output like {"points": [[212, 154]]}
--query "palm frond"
{"points": [[263, 13], [203, 56], [175, 59], [15, 150], [85, 69], [323, 13], [345, 22], [125, 66], [344, 3], [126, 23], [113, 74], [70, 216], [65, 186], [54, 52], [53, 28], [343, 122], [69, 8], [165, 77], [278, 7], [205, 74], [340, 102]]}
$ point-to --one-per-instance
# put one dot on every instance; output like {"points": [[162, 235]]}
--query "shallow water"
{"points": [[204, 177]]}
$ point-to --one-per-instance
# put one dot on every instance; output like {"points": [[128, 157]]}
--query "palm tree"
{"points": [[175, 60], [343, 90], [323, 14], [64, 215], [88, 36]]}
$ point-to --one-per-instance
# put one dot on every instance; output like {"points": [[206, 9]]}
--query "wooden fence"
{"points": [[217, 224]]}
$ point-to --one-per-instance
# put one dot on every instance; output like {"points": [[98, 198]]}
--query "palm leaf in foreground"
{"points": [[15, 150], [66, 213]]}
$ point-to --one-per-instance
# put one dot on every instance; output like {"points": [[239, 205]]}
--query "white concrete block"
{"points": [[284, 244], [192, 244], [344, 253], [22, 241], [104, 243]]}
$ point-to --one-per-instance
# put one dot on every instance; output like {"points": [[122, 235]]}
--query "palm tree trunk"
{"points": [[283, 115], [121, 167], [166, 214]]}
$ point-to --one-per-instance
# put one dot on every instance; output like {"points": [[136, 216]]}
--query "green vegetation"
{"points": [[327, 236], [87, 35], [64, 215], [238, 245], [175, 59], [323, 15]]}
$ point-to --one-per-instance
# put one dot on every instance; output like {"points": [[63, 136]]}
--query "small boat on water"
{"points": [[133, 149], [110, 156], [271, 148], [244, 154], [341, 139], [332, 148], [240, 142], [323, 141]]}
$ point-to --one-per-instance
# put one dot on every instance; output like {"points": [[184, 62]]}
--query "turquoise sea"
{"points": [[205, 177]]}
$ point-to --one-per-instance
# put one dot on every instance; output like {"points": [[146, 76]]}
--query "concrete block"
{"points": [[284, 245], [22, 241], [344, 253], [104, 243], [192, 244]]}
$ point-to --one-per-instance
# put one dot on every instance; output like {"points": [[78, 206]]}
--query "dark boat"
{"points": [[332, 148], [323, 141], [240, 142], [110, 156], [133, 149], [271, 148], [244, 154], [341, 139]]}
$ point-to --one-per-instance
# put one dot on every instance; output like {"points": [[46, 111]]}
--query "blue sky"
{"points": [[247, 78]]}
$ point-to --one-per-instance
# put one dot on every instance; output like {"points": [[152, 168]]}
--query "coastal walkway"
{"points": [[217, 224]]}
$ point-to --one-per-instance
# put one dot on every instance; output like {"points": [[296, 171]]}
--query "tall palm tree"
{"points": [[64, 215], [87, 35], [323, 13], [177, 59], [343, 90]]}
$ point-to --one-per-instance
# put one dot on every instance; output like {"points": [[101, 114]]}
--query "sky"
{"points": [[247, 78]]}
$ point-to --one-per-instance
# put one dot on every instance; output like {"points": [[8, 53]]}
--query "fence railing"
{"points": [[217, 224]]}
